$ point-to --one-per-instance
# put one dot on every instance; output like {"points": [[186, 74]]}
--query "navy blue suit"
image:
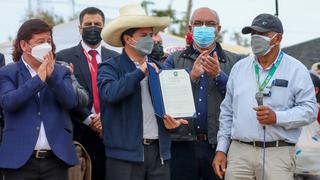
{"points": [[24, 111], [2, 61]]}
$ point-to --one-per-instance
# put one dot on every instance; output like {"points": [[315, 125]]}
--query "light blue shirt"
{"points": [[294, 105]]}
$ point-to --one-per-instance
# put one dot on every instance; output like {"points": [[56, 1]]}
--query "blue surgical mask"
{"points": [[204, 36]]}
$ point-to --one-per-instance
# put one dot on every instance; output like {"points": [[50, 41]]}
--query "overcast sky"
{"points": [[301, 19]]}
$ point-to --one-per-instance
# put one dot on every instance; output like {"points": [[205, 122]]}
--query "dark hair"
{"points": [[316, 83], [26, 31], [91, 10], [128, 32], [315, 80]]}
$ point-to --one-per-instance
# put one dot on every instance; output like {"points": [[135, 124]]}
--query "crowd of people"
{"points": [[249, 108]]}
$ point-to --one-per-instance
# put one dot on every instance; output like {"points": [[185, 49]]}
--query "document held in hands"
{"points": [[171, 93]]}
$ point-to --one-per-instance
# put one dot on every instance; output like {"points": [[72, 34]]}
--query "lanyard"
{"points": [[271, 73], [89, 60]]}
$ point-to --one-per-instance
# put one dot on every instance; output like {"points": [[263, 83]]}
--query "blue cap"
{"points": [[264, 23]]}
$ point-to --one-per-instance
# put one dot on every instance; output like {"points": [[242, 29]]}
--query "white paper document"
{"points": [[177, 93]]}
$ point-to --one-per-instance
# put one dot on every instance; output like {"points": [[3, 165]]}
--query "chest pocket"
{"points": [[280, 94]]}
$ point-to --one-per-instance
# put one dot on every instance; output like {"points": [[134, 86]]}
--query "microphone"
{"points": [[259, 98]]}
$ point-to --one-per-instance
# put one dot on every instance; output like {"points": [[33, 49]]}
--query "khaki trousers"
{"points": [[245, 162]]}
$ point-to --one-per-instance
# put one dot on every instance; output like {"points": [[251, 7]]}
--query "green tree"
{"points": [[221, 35], [239, 40], [145, 4], [174, 21], [46, 16]]}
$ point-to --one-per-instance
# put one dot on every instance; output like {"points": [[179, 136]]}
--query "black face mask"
{"points": [[91, 35], [157, 52]]}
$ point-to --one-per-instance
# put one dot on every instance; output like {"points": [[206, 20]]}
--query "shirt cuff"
{"points": [[222, 77], [281, 117], [223, 146], [88, 120]]}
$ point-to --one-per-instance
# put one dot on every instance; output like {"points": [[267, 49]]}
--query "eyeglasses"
{"points": [[206, 23]]}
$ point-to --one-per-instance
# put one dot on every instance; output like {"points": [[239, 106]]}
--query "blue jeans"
{"points": [[191, 160]]}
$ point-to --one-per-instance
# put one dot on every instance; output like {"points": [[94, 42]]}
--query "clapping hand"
{"points": [[197, 68], [211, 65]]}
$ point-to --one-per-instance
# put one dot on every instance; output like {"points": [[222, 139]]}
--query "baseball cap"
{"points": [[264, 23]]}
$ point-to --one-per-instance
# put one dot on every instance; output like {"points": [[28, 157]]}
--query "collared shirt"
{"points": [[150, 124], [42, 142], [292, 98], [201, 122], [88, 120], [98, 49]]}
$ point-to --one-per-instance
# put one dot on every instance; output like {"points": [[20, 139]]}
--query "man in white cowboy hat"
{"points": [[137, 142]]}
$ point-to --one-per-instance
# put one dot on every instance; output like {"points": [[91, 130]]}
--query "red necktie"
{"points": [[94, 71]]}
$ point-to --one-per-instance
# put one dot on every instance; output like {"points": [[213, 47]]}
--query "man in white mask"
{"points": [[36, 95], [269, 98]]}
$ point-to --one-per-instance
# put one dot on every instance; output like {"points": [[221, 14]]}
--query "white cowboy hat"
{"points": [[131, 16]]}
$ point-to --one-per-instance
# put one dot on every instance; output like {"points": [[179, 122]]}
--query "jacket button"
{"points": [[38, 128], [39, 113]]}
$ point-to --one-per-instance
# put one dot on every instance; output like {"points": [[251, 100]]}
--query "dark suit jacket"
{"points": [[75, 56], [24, 111], [2, 61]]}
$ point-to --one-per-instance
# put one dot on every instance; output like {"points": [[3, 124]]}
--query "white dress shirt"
{"points": [[88, 120], [42, 142], [87, 49]]}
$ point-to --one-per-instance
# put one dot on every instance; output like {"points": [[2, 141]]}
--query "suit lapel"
{"points": [[104, 54], [23, 70], [26, 74], [83, 65]]}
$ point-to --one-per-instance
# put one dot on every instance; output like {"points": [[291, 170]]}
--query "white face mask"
{"points": [[39, 51]]}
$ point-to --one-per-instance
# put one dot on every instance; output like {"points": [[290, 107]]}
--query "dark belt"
{"points": [[202, 137], [268, 144], [42, 154], [150, 141]]}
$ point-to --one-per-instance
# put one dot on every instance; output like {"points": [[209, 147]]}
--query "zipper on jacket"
{"points": [[161, 158], [142, 152]]}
